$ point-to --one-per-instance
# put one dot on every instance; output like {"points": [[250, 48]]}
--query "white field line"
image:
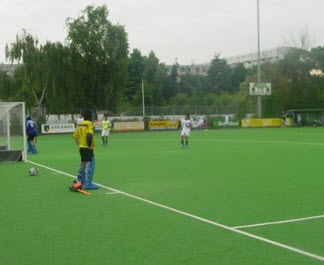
{"points": [[225, 227], [262, 142], [280, 222], [112, 193], [222, 141], [278, 132], [217, 141]]}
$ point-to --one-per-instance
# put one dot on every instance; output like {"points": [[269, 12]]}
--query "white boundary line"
{"points": [[112, 193], [225, 227], [280, 222], [221, 141], [224, 141]]}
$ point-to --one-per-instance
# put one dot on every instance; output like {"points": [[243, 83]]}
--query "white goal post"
{"points": [[13, 141]]}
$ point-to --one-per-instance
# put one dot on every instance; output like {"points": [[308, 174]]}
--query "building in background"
{"points": [[249, 60], [8, 68], [196, 69]]}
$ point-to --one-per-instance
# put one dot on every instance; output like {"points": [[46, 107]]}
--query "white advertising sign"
{"points": [[262, 89], [58, 128]]}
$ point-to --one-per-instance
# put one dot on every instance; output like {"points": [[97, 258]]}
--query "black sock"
{"points": [[182, 142], [186, 142]]}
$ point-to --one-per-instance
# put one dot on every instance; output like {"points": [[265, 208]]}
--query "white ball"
{"points": [[33, 171]]}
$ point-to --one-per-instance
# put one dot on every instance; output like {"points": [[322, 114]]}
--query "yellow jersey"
{"points": [[105, 125], [80, 134]]}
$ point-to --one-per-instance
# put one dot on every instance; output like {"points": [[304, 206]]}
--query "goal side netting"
{"points": [[12, 132]]}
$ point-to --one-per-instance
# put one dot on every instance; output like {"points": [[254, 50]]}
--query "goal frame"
{"points": [[7, 150]]}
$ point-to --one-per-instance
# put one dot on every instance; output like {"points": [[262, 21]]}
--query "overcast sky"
{"points": [[190, 30]]}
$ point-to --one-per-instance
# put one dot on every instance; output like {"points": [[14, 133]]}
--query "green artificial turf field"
{"points": [[226, 177]]}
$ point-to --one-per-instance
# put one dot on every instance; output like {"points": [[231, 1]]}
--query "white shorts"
{"points": [[185, 132], [105, 133]]}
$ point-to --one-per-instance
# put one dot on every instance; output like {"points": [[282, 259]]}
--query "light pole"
{"points": [[143, 100], [259, 60]]}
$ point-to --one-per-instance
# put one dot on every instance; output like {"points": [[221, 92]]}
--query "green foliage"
{"points": [[93, 70], [6, 86], [99, 49], [148, 95], [34, 74], [318, 56], [239, 73], [152, 72], [88, 72], [151, 68], [219, 76], [210, 99], [171, 83], [179, 99], [136, 68], [293, 86]]}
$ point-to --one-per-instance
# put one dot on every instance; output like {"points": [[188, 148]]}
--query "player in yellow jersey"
{"points": [[105, 125], [84, 138]]}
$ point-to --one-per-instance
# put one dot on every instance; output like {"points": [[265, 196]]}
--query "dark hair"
{"points": [[188, 115], [87, 115]]}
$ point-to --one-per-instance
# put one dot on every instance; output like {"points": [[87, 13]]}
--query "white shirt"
{"points": [[201, 121], [80, 120], [186, 124]]}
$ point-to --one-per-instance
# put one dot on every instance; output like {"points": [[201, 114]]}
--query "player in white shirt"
{"points": [[186, 124], [80, 119], [201, 122]]}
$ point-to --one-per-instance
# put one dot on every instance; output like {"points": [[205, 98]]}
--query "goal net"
{"points": [[12, 132]]}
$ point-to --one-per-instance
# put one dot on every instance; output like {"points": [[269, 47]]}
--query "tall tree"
{"points": [[239, 73], [219, 76], [35, 70], [7, 91], [194, 86], [99, 50], [317, 54], [136, 69], [161, 80], [60, 96], [170, 88], [155, 76], [296, 67], [151, 67]]}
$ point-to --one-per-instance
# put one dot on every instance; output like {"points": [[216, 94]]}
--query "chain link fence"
{"points": [[151, 112], [177, 110]]}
